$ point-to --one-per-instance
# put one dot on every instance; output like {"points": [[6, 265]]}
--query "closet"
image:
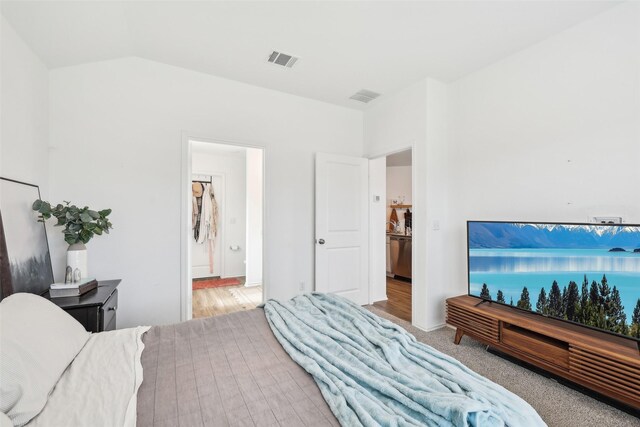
{"points": [[206, 237]]}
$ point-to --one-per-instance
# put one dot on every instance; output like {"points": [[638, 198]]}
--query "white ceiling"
{"points": [[402, 158], [344, 46]]}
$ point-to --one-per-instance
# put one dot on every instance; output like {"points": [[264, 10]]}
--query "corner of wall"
{"points": [[24, 123]]}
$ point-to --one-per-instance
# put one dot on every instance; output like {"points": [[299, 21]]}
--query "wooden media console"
{"points": [[604, 363]]}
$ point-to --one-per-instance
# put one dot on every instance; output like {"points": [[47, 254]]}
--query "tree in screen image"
{"points": [[555, 301], [524, 301], [484, 293], [542, 306], [635, 321], [572, 302]]}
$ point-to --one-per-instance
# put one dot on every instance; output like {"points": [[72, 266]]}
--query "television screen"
{"points": [[582, 273]]}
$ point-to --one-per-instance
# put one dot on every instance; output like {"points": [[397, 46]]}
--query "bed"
{"points": [[256, 367]]}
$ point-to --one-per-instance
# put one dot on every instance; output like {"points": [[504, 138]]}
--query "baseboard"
{"points": [[199, 279], [433, 328], [440, 326], [252, 284], [202, 271]]}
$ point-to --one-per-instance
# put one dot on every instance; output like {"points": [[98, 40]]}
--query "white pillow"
{"points": [[38, 340], [5, 421]]}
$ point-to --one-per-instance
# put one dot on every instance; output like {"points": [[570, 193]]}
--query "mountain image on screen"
{"points": [[583, 273], [519, 235]]}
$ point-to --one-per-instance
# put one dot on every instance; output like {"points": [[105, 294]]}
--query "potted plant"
{"points": [[80, 226]]}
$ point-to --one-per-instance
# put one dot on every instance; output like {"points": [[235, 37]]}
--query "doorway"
{"points": [[224, 242], [398, 235]]}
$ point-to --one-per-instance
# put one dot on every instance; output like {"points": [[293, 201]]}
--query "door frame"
{"points": [[416, 206], [221, 229], [186, 290]]}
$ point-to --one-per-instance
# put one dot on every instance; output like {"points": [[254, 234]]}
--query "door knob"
{"points": [[321, 241]]}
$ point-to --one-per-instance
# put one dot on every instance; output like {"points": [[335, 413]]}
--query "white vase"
{"points": [[77, 258]]}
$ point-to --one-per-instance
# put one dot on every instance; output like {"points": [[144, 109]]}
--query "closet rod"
{"points": [[208, 179]]}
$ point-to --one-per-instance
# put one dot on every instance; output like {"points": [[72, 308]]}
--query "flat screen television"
{"points": [[587, 274]]}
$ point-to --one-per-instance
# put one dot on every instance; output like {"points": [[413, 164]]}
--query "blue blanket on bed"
{"points": [[372, 372]]}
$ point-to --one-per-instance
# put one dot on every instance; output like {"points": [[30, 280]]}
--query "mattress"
{"points": [[225, 371]]}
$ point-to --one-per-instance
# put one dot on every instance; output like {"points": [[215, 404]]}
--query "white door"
{"points": [[342, 218]]}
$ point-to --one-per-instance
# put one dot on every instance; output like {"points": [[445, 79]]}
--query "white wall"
{"points": [[255, 193], [416, 117], [232, 212], [551, 133], [437, 175], [377, 227], [24, 112], [397, 121], [399, 184], [117, 126]]}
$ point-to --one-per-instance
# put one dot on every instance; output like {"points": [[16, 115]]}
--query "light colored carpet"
{"points": [[558, 405]]}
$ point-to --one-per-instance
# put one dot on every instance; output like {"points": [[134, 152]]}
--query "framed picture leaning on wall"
{"points": [[25, 260]]}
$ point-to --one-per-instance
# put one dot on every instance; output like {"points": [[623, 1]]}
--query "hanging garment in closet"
{"points": [[208, 227], [197, 189]]}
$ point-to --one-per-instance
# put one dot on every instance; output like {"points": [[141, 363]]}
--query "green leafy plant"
{"points": [[80, 224]]}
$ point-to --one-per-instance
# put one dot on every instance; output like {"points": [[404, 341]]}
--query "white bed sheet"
{"points": [[100, 386]]}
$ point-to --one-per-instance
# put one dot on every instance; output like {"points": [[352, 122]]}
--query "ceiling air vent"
{"points": [[283, 59], [365, 96]]}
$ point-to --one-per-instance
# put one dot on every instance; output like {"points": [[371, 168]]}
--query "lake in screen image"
{"points": [[588, 274]]}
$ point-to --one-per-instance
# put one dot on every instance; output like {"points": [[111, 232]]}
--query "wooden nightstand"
{"points": [[96, 309]]}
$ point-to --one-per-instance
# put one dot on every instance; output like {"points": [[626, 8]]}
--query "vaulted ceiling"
{"points": [[343, 46]]}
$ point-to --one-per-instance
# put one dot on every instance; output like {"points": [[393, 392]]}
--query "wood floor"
{"points": [[229, 299], [224, 300], [398, 302]]}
